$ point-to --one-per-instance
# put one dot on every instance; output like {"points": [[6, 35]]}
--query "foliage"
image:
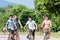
{"points": [[42, 8], [51, 8]]}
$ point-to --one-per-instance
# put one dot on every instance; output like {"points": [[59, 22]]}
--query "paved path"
{"points": [[23, 37]]}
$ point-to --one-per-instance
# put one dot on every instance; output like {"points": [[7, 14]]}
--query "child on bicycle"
{"points": [[32, 26], [18, 23], [10, 24], [46, 24]]}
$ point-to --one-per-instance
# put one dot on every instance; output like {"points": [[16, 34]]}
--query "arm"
{"points": [[20, 23], [35, 26], [6, 25], [43, 23], [50, 24], [26, 25], [15, 26]]}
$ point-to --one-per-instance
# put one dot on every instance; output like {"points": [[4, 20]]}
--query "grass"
{"points": [[55, 35]]}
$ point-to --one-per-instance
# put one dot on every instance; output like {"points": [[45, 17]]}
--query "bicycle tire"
{"points": [[31, 38]]}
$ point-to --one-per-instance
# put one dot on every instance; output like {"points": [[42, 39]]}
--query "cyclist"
{"points": [[10, 24], [47, 24], [32, 26], [17, 21]]}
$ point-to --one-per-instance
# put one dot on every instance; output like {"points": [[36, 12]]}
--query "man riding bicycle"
{"points": [[32, 26], [46, 24]]}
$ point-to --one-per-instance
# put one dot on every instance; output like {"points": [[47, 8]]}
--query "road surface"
{"points": [[23, 37]]}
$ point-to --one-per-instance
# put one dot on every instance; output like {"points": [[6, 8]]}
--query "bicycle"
{"points": [[30, 37], [13, 36], [46, 36]]}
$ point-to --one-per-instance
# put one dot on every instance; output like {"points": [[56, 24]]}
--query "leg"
{"points": [[17, 36], [44, 36], [9, 35], [33, 34], [12, 34], [45, 31], [29, 33], [49, 34]]}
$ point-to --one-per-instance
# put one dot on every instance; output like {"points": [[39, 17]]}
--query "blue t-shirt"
{"points": [[10, 24]]}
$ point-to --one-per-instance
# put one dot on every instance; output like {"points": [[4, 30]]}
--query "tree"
{"points": [[51, 8]]}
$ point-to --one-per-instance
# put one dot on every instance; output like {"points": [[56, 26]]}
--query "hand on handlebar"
{"points": [[41, 27], [24, 28]]}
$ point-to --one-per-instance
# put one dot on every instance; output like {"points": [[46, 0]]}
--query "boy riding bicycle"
{"points": [[32, 26], [10, 24]]}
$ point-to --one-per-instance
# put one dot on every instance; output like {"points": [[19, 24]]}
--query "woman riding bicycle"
{"points": [[46, 24], [17, 21]]}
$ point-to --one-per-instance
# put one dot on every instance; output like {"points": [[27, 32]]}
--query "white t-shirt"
{"points": [[31, 25]]}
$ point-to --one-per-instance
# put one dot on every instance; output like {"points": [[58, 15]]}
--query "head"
{"points": [[10, 17], [46, 18], [15, 16], [30, 18]]}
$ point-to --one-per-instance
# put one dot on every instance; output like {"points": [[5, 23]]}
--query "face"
{"points": [[46, 18], [30, 19], [15, 16], [10, 17]]}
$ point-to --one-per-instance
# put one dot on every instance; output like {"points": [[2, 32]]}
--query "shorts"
{"points": [[11, 31], [46, 29], [32, 32], [16, 32]]}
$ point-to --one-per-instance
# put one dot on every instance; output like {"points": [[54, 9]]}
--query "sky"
{"points": [[27, 3]]}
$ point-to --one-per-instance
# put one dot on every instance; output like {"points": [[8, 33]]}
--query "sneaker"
{"points": [[9, 38], [28, 37], [49, 39]]}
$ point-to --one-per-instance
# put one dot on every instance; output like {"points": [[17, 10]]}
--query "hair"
{"points": [[47, 16], [10, 15], [15, 15], [30, 17]]}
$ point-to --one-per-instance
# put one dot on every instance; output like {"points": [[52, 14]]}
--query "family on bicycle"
{"points": [[12, 24]]}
